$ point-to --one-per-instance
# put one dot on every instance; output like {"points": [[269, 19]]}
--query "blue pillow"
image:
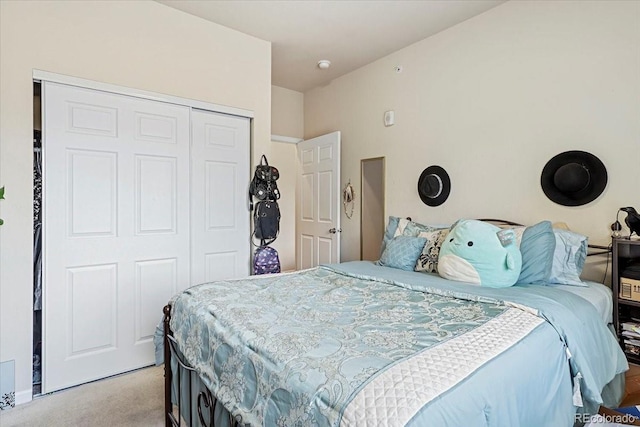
{"points": [[402, 252], [537, 249], [389, 232], [568, 258]]}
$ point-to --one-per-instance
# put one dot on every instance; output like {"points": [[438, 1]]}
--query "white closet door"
{"points": [[220, 247], [116, 243]]}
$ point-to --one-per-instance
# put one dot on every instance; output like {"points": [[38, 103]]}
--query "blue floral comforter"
{"points": [[324, 346]]}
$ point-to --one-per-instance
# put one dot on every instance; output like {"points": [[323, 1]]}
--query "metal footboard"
{"points": [[205, 403]]}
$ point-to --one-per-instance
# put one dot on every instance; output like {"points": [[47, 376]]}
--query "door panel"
{"points": [[317, 202], [154, 279], [306, 251], [156, 182], [326, 204], [221, 264], [92, 208], [220, 247], [86, 283], [220, 199], [156, 128], [116, 243], [325, 247], [92, 119], [307, 197]]}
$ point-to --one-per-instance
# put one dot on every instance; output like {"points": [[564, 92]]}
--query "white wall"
{"points": [[287, 112], [138, 44], [287, 119], [492, 100]]}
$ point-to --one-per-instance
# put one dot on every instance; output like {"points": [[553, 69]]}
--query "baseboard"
{"points": [[24, 396]]}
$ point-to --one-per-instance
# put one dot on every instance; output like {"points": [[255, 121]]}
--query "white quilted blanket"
{"points": [[396, 395]]}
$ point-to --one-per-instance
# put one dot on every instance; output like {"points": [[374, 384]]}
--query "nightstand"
{"points": [[625, 281]]}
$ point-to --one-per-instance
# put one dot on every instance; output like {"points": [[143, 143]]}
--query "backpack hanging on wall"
{"points": [[266, 261], [266, 221], [263, 186]]}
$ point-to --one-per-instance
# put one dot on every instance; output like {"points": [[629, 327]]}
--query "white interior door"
{"points": [[318, 201], [116, 230], [220, 247]]}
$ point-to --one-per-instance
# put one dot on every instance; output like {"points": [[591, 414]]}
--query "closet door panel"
{"points": [[92, 204], [221, 200], [156, 128], [154, 279], [91, 119], [220, 265], [220, 247], [116, 229], [156, 198], [98, 281]]}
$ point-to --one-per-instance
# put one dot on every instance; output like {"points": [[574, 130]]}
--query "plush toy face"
{"points": [[480, 253]]}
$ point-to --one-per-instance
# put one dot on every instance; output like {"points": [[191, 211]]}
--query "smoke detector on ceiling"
{"points": [[324, 64]]}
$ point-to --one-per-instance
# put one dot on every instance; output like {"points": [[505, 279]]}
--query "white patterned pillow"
{"points": [[402, 224], [428, 260], [410, 228]]}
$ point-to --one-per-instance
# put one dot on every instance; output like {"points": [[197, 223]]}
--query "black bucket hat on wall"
{"points": [[573, 178], [434, 186]]}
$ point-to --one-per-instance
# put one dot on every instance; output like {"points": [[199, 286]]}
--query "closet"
{"points": [[141, 199], [37, 240]]}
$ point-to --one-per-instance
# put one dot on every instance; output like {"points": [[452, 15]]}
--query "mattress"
{"points": [[599, 295], [355, 341]]}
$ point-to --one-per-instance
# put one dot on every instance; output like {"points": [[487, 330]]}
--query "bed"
{"points": [[362, 344]]}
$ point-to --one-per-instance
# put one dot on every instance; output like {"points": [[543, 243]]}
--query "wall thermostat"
{"points": [[389, 118]]}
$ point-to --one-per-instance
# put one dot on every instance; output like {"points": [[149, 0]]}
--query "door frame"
{"points": [[41, 75], [362, 195]]}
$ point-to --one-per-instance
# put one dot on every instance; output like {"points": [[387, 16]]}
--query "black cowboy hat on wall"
{"points": [[434, 186], [573, 178]]}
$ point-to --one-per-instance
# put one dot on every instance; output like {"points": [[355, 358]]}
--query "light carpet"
{"points": [[132, 399]]}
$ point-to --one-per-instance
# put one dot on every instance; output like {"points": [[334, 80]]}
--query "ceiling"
{"points": [[349, 33]]}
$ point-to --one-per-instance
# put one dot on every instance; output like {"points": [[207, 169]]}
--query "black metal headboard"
{"points": [[500, 222], [600, 250]]}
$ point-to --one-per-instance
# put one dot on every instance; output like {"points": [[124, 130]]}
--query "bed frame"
{"points": [[599, 249], [205, 403]]}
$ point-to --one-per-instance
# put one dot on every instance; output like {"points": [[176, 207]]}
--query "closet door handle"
{"points": [[335, 230]]}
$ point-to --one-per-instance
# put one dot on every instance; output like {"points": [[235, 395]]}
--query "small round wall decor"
{"points": [[434, 186]]}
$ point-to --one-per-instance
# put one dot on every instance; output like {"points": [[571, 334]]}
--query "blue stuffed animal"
{"points": [[480, 253]]}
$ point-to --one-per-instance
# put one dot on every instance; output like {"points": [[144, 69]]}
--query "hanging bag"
{"points": [[266, 221], [266, 260], [263, 186]]}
